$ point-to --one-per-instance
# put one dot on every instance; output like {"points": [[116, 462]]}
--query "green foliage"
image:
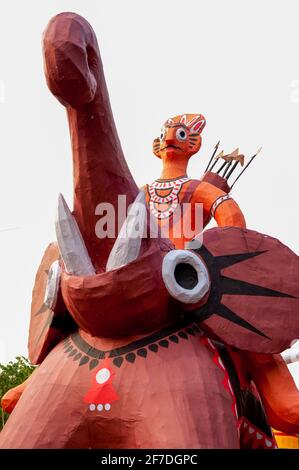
{"points": [[12, 374]]}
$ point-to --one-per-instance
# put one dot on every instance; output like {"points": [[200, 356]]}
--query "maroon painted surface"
{"points": [[175, 393], [216, 180], [74, 74], [277, 269], [164, 402], [125, 301]]}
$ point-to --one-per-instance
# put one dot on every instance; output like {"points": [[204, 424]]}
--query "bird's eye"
{"points": [[181, 134]]}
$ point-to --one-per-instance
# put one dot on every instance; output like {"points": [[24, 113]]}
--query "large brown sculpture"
{"points": [[142, 345]]}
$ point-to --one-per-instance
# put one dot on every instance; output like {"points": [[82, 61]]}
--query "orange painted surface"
{"points": [[11, 398], [278, 390], [271, 375], [285, 441]]}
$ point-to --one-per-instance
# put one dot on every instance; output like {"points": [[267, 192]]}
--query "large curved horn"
{"points": [[74, 74]]}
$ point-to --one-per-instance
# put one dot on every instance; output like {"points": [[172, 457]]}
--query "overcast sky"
{"points": [[235, 62]]}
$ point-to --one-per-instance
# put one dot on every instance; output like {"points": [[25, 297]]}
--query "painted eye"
{"points": [[185, 276], [181, 134]]}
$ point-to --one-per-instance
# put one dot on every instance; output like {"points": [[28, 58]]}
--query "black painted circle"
{"points": [[186, 276]]}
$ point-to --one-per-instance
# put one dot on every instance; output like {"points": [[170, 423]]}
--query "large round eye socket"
{"points": [[185, 276], [181, 134], [163, 133]]}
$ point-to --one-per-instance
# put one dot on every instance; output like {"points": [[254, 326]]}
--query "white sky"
{"points": [[235, 62]]}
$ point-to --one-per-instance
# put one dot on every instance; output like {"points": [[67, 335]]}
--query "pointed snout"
{"points": [[129, 300], [170, 137]]}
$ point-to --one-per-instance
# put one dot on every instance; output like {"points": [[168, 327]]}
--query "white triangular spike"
{"points": [[70, 242], [53, 284], [127, 246]]}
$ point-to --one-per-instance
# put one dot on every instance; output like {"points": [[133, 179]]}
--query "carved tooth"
{"points": [[70, 241], [128, 243], [52, 285]]}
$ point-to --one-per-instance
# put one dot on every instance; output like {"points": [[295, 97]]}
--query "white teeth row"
{"points": [[99, 407]]}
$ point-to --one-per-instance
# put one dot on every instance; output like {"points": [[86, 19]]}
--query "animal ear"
{"points": [[183, 119], [198, 126]]}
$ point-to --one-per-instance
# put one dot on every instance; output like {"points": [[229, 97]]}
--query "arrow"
{"points": [[215, 150], [228, 161], [220, 155], [246, 166]]}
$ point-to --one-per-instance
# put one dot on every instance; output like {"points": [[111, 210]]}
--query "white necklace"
{"points": [[171, 199]]}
